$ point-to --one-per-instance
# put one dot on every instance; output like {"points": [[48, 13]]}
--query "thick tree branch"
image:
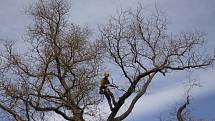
{"points": [[181, 109]]}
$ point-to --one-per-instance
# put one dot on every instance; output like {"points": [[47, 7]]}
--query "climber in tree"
{"points": [[105, 83]]}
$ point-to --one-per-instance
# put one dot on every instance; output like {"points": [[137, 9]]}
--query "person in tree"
{"points": [[105, 83]]}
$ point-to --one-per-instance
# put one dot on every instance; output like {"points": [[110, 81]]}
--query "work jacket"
{"points": [[105, 82]]}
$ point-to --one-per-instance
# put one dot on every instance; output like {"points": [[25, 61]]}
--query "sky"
{"points": [[164, 93]]}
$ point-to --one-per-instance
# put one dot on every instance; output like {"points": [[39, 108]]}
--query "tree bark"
{"points": [[181, 109]]}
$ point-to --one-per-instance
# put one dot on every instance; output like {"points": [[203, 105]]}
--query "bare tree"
{"points": [[141, 47], [59, 72], [183, 111]]}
